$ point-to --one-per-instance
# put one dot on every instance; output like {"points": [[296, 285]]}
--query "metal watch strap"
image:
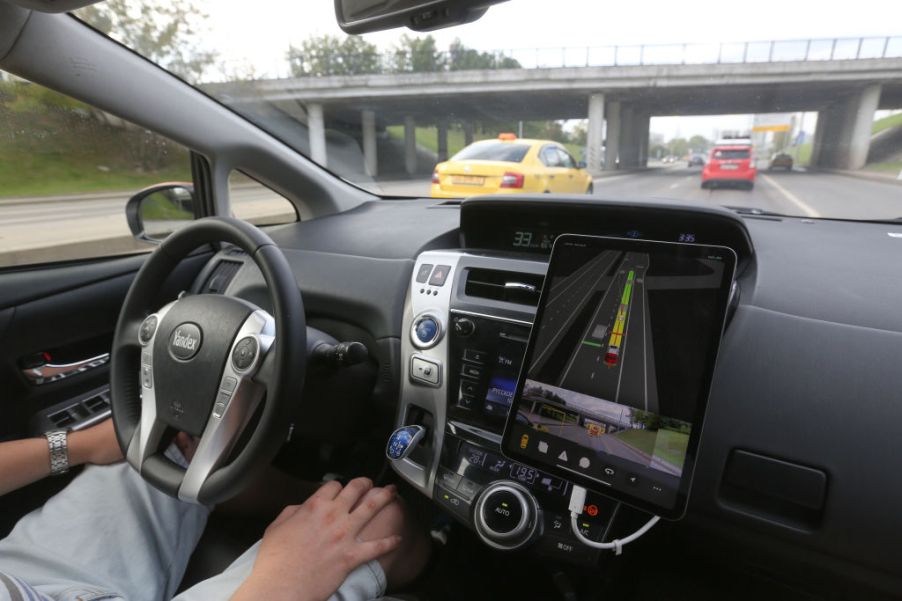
{"points": [[58, 441]]}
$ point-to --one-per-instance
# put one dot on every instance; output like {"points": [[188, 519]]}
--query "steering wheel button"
{"points": [[245, 352], [148, 327], [147, 376], [146, 358], [228, 384]]}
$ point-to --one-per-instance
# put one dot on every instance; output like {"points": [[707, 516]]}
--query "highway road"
{"points": [[587, 371], [93, 224], [34, 225]]}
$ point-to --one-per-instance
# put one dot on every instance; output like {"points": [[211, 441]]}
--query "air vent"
{"points": [[507, 286], [234, 251], [221, 277]]}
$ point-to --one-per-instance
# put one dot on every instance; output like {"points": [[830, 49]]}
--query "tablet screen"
{"points": [[615, 380]]}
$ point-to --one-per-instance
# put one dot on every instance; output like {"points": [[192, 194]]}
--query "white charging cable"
{"points": [[578, 502]]}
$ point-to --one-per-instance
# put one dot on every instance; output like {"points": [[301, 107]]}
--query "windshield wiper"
{"points": [[754, 211]]}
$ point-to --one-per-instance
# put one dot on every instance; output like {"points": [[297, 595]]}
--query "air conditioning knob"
{"points": [[506, 515]]}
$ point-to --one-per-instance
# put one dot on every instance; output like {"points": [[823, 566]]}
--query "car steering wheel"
{"points": [[203, 364]]}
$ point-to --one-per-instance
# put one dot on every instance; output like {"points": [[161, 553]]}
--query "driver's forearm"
{"points": [[23, 462]]}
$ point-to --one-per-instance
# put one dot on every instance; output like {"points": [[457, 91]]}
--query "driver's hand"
{"points": [[309, 550], [96, 445]]}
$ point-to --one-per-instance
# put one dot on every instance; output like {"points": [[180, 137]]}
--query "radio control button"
{"points": [[472, 371], [468, 387], [474, 355]]}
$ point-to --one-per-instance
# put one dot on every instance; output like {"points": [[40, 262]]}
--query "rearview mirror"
{"points": [[156, 212], [365, 16]]}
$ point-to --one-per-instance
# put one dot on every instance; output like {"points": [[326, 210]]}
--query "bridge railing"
{"points": [[714, 53], [774, 51]]}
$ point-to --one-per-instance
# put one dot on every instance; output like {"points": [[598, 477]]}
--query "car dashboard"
{"points": [[799, 430]]}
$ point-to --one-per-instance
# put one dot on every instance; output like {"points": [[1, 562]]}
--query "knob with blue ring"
{"points": [[426, 330]]}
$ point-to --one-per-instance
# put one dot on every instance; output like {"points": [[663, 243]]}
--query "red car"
{"points": [[731, 163]]}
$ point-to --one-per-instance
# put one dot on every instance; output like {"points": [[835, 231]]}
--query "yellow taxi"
{"points": [[510, 165]]}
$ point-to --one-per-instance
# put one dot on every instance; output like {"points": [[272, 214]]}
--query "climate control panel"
{"points": [[513, 506]]}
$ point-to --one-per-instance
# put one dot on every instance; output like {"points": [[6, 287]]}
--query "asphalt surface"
{"points": [[28, 223], [54, 221], [796, 193], [586, 371]]}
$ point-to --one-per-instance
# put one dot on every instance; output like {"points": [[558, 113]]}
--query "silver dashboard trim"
{"points": [[489, 316], [433, 399], [150, 430]]}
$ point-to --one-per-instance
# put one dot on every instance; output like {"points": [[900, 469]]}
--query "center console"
{"points": [[467, 320]]}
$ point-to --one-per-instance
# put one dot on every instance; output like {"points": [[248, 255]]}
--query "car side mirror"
{"points": [[159, 210], [582, 164]]}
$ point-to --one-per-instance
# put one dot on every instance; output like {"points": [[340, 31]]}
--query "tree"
{"points": [[417, 55], [678, 147], [579, 134], [164, 31], [699, 143], [333, 55], [461, 58]]}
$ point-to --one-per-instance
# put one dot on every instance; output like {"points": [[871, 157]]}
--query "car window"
{"points": [[257, 203], [724, 153], [566, 160], [493, 151], [67, 170], [550, 157]]}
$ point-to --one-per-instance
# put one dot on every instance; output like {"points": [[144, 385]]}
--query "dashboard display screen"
{"points": [[616, 374]]}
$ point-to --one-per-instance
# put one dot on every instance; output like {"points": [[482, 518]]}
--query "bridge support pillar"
{"points": [[843, 136], [643, 123], [410, 146], [469, 133], [370, 156], [316, 128], [595, 134], [612, 136], [628, 151], [442, 153]]}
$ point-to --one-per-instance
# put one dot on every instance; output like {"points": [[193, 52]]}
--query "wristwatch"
{"points": [[58, 440]]}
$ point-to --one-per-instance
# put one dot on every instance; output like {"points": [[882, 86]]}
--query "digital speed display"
{"points": [[526, 239], [539, 239]]}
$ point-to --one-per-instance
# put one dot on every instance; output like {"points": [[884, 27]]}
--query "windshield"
{"points": [[639, 94], [726, 153], [493, 151]]}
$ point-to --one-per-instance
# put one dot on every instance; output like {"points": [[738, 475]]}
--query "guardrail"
{"points": [[774, 51]]}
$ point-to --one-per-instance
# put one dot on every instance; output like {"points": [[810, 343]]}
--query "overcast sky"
{"points": [[259, 33]]}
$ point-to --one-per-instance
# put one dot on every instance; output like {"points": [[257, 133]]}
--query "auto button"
{"points": [[506, 515]]}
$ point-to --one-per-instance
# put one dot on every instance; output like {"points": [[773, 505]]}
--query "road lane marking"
{"points": [[798, 202], [611, 178]]}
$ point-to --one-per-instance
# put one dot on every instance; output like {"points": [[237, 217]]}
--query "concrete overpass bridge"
{"points": [[617, 99]]}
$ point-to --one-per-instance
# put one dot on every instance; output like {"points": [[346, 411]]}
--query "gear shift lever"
{"points": [[402, 441]]}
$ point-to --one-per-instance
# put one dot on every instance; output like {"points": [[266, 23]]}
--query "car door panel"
{"points": [[69, 312]]}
